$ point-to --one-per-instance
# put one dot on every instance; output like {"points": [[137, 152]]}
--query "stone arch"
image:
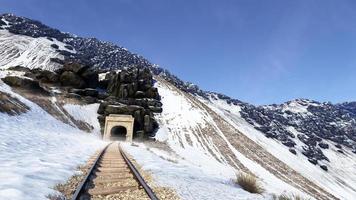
{"points": [[116, 125]]}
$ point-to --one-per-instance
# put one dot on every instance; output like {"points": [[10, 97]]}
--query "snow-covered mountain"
{"points": [[91, 51], [302, 146]]}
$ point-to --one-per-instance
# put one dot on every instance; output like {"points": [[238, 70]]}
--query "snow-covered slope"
{"points": [[340, 179], [199, 143], [38, 151], [91, 51], [196, 158], [20, 50]]}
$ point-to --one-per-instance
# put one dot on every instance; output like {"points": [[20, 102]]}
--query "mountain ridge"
{"points": [[313, 133], [35, 28], [94, 52]]}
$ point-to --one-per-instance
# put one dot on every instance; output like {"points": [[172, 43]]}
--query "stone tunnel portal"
{"points": [[118, 127]]}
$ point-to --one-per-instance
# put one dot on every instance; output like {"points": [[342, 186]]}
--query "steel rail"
{"points": [[138, 176], [80, 188]]}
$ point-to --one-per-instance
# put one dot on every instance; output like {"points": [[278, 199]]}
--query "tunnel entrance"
{"points": [[118, 133], [119, 127]]}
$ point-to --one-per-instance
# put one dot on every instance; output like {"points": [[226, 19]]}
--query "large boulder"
{"points": [[139, 94], [152, 93], [91, 78], [43, 75], [90, 100], [324, 167], [84, 92], [144, 84], [122, 109], [69, 78], [19, 68], [157, 109], [153, 102], [24, 83], [145, 74], [289, 143], [148, 126], [54, 46], [75, 67], [101, 109], [323, 145]]}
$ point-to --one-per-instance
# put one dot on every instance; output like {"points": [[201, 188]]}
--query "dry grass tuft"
{"points": [[249, 183], [289, 197]]}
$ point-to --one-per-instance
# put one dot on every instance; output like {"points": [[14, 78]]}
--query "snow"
{"points": [[38, 151], [340, 180], [270, 182], [85, 113], [178, 109], [295, 107], [190, 181], [28, 51], [195, 169], [102, 76], [181, 125]]}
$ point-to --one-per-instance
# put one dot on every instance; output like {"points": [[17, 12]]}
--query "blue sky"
{"points": [[258, 51]]}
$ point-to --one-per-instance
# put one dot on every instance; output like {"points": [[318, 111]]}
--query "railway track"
{"points": [[113, 176]]}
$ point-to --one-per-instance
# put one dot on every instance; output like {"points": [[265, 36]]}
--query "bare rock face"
{"points": [[11, 105]]}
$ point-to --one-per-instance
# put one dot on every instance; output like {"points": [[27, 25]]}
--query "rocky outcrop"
{"points": [[77, 75], [132, 83], [128, 92], [72, 75], [43, 75], [132, 93], [69, 78], [19, 68], [314, 122], [24, 83]]}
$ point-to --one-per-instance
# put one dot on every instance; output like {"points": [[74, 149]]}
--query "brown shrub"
{"points": [[249, 183]]}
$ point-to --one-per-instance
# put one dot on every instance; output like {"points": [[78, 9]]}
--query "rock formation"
{"points": [[132, 93], [129, 91]]}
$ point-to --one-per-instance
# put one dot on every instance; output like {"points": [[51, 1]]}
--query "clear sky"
{"points": [[258, 51]]}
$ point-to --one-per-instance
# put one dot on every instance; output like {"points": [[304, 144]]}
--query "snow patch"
{"points": [[85, 113]]}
